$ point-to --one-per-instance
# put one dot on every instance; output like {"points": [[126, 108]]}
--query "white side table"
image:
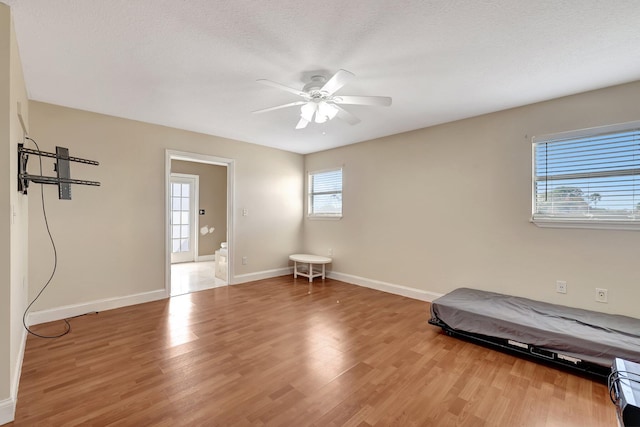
{"points": [[311, 260]]}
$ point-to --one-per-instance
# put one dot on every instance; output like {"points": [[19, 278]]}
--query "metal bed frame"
{"points": [[531, 352]]}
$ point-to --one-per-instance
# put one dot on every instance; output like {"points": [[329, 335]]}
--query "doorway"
{"points": [[191, 257]]}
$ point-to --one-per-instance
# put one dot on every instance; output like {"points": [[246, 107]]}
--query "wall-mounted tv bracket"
{"points": [[63, 171]]}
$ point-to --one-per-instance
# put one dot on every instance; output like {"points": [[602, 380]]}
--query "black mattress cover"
{"points": [[587, 335]]}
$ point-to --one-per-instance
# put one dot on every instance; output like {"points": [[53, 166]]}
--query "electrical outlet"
{"points": [[330, 252], [561, 286], [244, 260], [245, 212], [601, 295]]}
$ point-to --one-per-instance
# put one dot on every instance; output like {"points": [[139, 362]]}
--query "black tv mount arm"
{"points": [[63, 172]]}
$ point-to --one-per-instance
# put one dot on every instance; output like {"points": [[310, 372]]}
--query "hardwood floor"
{"points": [[193, 277], [269, 353]]}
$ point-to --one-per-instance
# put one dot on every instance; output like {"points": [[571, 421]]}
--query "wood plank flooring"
{"points": [[270, 353]]}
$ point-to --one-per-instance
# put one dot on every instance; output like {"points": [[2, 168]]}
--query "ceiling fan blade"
{"points": [[302, 123], [277, 107], [347, 116], [338, 80], [383, 101], [282, 87]]}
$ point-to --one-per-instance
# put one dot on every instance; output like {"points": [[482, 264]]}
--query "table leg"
{"points": [[310, 272], [323, 271], [295, 269]]}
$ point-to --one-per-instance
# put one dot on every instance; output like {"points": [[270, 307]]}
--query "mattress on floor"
{"points": [[588, 335]]}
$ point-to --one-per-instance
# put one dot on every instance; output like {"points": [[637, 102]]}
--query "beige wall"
{"points": [[111, 239], [13, 215], [449, 206], [212, 198]]}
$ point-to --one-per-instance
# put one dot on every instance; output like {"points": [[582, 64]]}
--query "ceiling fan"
{"points": [[320, 103]]}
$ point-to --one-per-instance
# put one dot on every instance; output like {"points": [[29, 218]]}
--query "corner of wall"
{"points": [[14, 233]]}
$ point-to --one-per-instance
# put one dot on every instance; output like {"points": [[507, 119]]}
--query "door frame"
{"points": [[212, 160], [194, 221]]}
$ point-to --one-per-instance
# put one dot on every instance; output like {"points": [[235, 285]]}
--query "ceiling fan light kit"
{"points": [[320, 105]]}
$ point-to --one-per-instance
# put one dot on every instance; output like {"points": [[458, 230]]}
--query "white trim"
{"points": [[324, 217], [8, 406], [267, 274], [200, 158], [206, 258], [390, 288], [337, 168], [378, 285], [67, 311], [7, 410], [595, 224]]}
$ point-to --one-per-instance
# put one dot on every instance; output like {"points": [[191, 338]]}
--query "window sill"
{"points": [[324, 217], [585, 223]]}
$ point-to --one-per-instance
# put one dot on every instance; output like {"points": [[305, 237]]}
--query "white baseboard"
{"points": [[8, 406], [7, 410], [206, 258], [378, 285], [391, 288], [267, 274], [67, 311]]}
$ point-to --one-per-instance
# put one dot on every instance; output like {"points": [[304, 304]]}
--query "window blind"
{"points": [[325, 193], [588, 176]]}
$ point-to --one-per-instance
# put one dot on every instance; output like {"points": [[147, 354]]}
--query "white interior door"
{"points": [[183, 217]]}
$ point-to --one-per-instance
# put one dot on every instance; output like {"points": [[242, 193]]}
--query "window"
{"points": [[325, 194], [588, 178]]}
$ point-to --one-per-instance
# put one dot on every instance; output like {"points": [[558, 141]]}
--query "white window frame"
{"points": [[633, 223], [310, 194]]}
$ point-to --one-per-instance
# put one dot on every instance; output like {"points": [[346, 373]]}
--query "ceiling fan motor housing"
{"points": [[314, 86]]}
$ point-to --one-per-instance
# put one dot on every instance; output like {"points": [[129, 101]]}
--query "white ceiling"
{"points": [[193, 64]]}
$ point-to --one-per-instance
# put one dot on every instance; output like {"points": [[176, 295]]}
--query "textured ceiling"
{"points": [[193, 64]]}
